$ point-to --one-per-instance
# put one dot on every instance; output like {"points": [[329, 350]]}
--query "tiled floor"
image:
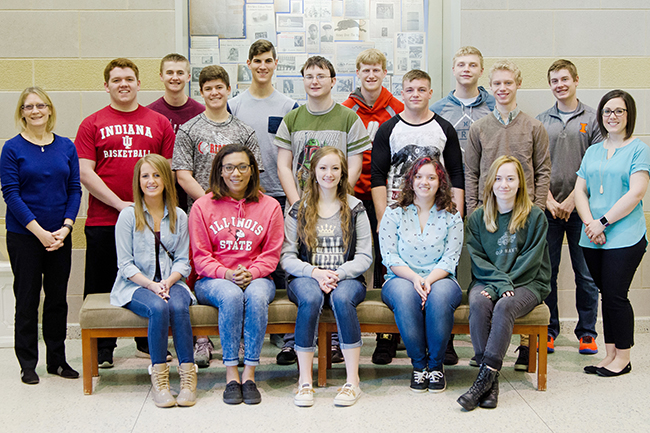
{"points": [[121, 402]]}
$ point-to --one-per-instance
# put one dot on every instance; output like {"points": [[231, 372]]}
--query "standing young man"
{"points": [[109, 143], [374, 104], [262, 107], [572, 128], [507, 131], [320, 122], [468, 102]]}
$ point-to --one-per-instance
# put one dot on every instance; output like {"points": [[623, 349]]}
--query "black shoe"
{"points": [[521, 364], [232, 394], [337, 355], [473, 362], [250, 393], [591, 369], [481, 386], [451, 357], [603, 372], [385, 350], [437, 381], [29, 376], [491, 398], [63, 370], [105, 358], [287, 356], [419, 382]]}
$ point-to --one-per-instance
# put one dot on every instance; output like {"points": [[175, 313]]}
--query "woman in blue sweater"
{"points": [[39, 171]]}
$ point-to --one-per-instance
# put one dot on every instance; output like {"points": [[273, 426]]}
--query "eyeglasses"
{"points": [[619, 112], [30, 107], [241, 168], [318, 77]]}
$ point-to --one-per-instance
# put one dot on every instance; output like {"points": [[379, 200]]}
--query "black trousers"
{"points": [[34, 267], [612, 271], [101, 268]]}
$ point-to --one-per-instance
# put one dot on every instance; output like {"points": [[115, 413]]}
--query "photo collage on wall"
{"points": [[221, 32]]}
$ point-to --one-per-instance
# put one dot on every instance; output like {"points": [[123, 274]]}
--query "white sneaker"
{"points": [[305, 396], [348, 395]]}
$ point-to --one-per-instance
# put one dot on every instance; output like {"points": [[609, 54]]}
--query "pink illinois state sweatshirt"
{"points": [[225, 233]]}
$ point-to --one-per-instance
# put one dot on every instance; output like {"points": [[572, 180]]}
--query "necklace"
{"points": [[600, 172]]}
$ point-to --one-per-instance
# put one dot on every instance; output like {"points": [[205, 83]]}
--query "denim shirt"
{"points": [[136, 252]]}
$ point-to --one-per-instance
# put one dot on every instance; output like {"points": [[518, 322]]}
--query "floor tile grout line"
{"points": [[528, 404], [137, 418]]}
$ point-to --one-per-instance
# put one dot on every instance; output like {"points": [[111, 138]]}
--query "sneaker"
{"points": [[550, 344], [521, 364], [385, 350], [142, 351], [451, 357], [473, 362], [337, 355], [203, 352], [250, 393], [232, 394], [588, 345], [105, 358], [63, 370], [287, 356], [348, 395], [305, 396], [437, 382], [29, 376], [419, 380]]}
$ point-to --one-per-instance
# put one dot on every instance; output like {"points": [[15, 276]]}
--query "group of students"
{"points": [[280, 195]]}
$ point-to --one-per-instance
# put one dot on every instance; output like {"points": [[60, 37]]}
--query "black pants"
{"points": [[101, 268], [612, 271], [378, 268], [33, 266]]}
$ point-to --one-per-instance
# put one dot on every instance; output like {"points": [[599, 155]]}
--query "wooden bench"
{"points": [[98, 319]]}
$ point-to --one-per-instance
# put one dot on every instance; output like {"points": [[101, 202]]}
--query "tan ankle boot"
{"points": [[160, 389], [187, 372]]}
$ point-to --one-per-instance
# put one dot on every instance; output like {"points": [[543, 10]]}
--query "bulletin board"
{"points": [[221, 32]]}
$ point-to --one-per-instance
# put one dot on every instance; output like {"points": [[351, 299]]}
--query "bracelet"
{"points": [[68, 226]]}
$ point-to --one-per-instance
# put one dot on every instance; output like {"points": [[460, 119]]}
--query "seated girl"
{"points": [[327, 248]]}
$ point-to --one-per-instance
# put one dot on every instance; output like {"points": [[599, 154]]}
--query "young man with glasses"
{"points": [[572, 127]]}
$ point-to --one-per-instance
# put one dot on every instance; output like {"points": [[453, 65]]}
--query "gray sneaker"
{"points": [[203, 352]]}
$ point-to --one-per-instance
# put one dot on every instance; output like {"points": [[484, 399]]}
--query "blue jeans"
{"points": [[249, 307], [586, 290], [307, 295], [425, 331], [491, 323], [160, 314]]}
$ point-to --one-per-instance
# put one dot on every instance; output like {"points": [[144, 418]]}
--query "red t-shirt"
{"points": [[115, 140]]}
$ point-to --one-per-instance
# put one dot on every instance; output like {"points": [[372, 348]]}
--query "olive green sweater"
{"points": [[503, 261]]}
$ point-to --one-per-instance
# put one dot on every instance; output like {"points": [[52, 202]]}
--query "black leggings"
{"points": [[612, 271]]}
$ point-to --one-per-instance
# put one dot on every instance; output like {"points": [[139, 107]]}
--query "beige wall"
{"points": [[80, 36]]}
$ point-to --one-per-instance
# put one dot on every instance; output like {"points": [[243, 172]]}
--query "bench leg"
{"points": [[89, 359], [543, 358], [532, 351], [323, 349]]}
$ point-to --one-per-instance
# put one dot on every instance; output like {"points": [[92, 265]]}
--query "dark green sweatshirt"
{"points": [[503, 261]]}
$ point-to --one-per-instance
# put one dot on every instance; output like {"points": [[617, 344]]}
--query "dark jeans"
{"points": [[491, 323], [378, 269], [586, 290], [613, 270], [101, 268], [32, 266]]}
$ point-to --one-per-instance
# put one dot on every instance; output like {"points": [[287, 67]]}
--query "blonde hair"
{"points": [[21, 123], [467, 50], [506, 65], [308, 207], [371, 56], [523, 204], [161, 165]]}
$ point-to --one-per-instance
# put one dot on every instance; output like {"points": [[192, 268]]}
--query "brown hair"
{"points": [[120, 62], [261, 46], [443, 195], [319, 62], [218, 186], [213, 72], [630, 106], [20, 119], [308, 207], [562, 64], [174, 57], [161, 165], [416, 74]]}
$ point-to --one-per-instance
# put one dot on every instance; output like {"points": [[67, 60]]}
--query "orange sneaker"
{"points": [[588, 345], [550, 344]]}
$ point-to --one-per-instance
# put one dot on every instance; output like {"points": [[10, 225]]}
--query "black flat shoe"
{"points": [[591, 369], [29, 376], [65, 371], [602, 371]]}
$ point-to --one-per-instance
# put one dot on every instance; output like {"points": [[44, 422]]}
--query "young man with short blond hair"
{"points": [[572, 127]]}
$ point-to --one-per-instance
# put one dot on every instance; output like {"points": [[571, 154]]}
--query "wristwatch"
{"points": [[603, 221]]}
